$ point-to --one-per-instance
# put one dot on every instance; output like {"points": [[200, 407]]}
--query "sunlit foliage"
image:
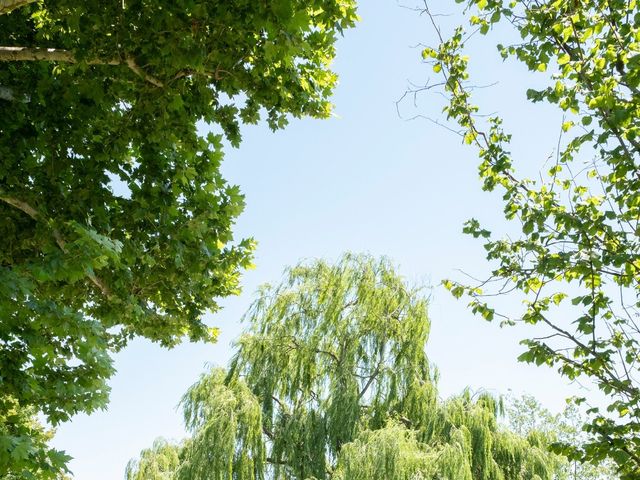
{"points": [[331, 381], [577, 260]]}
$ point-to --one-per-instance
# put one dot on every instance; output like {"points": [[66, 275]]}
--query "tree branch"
{"points": [[6, 6], [370, 381], [20, 205], [26, 54], [35, 215], [141, 73]]}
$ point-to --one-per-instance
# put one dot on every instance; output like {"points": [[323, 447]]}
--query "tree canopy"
{"points": [[525, 415], [116, 221], [576, 262], [331, 381]]}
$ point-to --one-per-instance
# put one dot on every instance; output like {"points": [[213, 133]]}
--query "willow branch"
{"points": [[370, 381], [35, 215]]}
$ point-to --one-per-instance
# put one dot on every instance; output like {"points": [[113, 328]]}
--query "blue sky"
{"points": [[364, 181]]}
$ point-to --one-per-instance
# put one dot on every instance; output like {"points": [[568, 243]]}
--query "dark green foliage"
{"points": [[331, 381], [114, 218]]}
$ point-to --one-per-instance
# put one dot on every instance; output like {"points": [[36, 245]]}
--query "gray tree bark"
{"points": [[22, 54], [6, 6], [27, 54]]}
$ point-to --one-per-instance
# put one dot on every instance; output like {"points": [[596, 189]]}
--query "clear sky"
{"points": [[364, 181]]}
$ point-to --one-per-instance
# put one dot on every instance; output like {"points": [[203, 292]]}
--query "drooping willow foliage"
{"points": [[158, 462], [331, 381]]}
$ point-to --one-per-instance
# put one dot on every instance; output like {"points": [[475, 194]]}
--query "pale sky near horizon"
{"points": [[366, 180]]}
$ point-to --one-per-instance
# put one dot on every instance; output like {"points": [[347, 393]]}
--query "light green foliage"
{"points": [[331, 381], [323, 343], [24, 453], [390, 452], [156, 463], [526, 416], [226, 421], [114, 218], [463, 443], [579, 249]]}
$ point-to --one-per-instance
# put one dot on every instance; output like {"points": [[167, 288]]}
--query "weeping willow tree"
{"points": [[331, 381], [158, 462]]}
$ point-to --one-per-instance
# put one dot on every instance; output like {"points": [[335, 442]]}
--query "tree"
{"points": [[156, 463], [331, 381], [579, 249], [24, 449], [116, 221], [526, 415]]}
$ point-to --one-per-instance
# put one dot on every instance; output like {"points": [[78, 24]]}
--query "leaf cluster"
{"points": [[579, 249]]}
